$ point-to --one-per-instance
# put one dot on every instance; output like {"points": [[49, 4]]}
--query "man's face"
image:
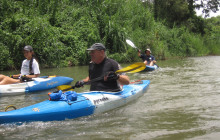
{"points": [[147, 53], [97, 55]]}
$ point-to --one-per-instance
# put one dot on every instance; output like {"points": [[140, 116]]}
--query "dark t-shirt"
{"points": [[148, 58], [99, 70]]}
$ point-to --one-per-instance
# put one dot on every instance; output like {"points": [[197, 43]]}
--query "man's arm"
{"points": [[123, 79]]}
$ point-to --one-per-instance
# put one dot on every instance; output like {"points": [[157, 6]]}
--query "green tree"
{"points": [[61, 31], [173, 11]]}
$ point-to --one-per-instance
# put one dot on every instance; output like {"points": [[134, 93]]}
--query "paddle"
{"points": [[131, 44], [136, 67]]}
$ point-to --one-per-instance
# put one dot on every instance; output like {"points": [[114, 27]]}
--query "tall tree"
{"points": [[156, 7], [176, 9], [173, 11]]}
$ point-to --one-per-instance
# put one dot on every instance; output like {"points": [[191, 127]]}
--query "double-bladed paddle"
{"points": [[136, 67], [131, 44]]}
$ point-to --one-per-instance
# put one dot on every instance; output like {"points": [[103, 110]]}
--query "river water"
{"points": [[182, 102]]}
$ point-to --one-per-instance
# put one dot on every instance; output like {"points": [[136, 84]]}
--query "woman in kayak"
{"points": [[104, 68], [29, 69], [147, 57]]}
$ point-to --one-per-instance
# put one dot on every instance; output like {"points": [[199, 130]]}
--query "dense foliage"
{"points": [[61, 31]]}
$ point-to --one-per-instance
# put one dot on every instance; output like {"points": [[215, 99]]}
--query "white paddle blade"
{"points": [[131, 43]]}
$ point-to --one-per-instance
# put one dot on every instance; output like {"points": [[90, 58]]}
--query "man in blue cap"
{"points": [[101, 66]]}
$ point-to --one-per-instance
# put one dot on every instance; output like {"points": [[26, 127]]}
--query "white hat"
{"points": [[147, 50]]}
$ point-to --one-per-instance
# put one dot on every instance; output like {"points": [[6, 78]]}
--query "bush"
{"points": [[5, 60], [61, 31]]}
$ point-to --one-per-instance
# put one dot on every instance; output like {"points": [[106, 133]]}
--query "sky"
{"points": [[199, 12], [211, 14]]}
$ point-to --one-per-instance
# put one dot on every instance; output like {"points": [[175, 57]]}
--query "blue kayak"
{"points": [[37, 84], [84, 104], [150, 68]]}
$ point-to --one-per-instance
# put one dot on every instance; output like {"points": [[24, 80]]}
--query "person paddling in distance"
{"points": [[147, 58], [101, 66], [29, 69]]}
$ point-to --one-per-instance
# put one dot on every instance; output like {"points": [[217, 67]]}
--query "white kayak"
{"points": [[38, 84]]}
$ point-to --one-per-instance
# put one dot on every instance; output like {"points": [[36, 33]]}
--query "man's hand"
{"points": [[79, 84], [112, 76]]}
